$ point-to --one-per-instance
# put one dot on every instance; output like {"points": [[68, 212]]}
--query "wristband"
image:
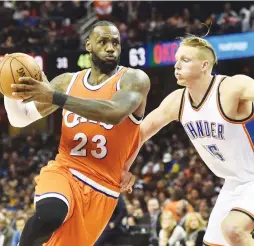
{"points": [[59, 99]]}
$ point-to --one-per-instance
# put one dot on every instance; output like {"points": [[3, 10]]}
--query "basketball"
{"points": [[14, 66]]}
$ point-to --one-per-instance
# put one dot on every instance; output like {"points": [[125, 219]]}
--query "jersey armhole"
{"points": [[67, 92], [73, 79], [181, 106]]}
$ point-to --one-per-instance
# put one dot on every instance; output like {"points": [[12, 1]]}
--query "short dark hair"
{"points": [[101, 23]]}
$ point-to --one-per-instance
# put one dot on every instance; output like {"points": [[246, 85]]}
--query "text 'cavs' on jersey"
{"points": [[96, 149], [225, 145]]}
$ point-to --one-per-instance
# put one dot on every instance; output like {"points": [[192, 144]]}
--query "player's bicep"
{"points": [[240, 87], [134, 87], [127, 102]]}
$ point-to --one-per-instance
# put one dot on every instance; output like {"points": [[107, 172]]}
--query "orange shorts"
{"points": [[90, 205]]}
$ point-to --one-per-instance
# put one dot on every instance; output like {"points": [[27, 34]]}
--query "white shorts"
{"points": [[233, 196]]}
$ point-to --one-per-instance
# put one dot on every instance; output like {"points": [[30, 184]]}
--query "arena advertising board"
{"points": [[231, 46]]}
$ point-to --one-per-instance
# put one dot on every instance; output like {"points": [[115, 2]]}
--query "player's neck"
{"points": [[97, 77], [198, 88]]}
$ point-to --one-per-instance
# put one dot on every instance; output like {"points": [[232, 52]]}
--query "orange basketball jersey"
{"points": [[95, 152]]}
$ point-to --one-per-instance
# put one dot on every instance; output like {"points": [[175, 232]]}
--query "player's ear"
{"points": [[205, 65], [88, 45]]}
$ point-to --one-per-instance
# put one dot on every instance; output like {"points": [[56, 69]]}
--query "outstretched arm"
{"points": [[167, 112], [134, 88]]}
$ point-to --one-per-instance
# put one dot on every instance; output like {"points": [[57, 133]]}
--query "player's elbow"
{"points": [[114, 119]]}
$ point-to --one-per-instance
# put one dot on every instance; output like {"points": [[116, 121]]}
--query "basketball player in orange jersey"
{"points": [[217, 114], [76, 193]]}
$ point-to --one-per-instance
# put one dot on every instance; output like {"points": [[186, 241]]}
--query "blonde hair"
{"points": [[189, 217], [199, 43]]}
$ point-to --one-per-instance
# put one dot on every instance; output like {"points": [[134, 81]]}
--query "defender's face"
{"points": [[188, 66], [105, 44]]}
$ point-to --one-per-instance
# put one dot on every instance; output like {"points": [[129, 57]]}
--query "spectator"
{"points": [[176, 195], [182, 208], [20, 223], [6, 232], [171, 234], [229, 20], [245, 19], [195, 229], [103, 9]]}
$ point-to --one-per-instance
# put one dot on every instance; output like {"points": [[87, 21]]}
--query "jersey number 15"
{"points": [[214, 151]]}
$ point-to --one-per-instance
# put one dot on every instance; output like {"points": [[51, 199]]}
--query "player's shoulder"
{"points": [[137, 77], [175, 97], [135, 71], [233, 83], [234, 79], [138, 74]]}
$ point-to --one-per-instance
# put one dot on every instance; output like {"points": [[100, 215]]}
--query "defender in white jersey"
{"points": [[216, 113]]}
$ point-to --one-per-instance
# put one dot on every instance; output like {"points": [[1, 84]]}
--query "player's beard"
{"points": [[104, 66]]}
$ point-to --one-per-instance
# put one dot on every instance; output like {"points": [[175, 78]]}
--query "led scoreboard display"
{"points": [[152, 55]]}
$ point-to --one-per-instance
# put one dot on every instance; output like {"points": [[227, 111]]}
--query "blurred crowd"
{"points": [[153, 21], [21, 159], [38, 26]]}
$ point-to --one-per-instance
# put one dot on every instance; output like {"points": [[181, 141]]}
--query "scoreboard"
{"points": [[152, 55]]}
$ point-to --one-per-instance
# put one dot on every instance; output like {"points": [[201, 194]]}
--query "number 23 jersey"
{"points": [[225, 145], [96, 149]]}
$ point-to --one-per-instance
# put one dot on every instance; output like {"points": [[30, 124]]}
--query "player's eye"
{"points": [[102, 42]]}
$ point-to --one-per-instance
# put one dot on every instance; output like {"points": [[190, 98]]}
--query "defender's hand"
{"points": [[127, 181]]}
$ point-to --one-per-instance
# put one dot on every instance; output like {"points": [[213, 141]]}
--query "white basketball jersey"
{"points": [[225, 145]]}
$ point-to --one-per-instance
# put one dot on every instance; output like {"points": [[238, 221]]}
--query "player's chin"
{"points": [[110, 62], [181, 82]]}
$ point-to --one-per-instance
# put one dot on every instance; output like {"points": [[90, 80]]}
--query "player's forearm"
{"points": [[150, 126], [131, 160], [94, 109]]}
